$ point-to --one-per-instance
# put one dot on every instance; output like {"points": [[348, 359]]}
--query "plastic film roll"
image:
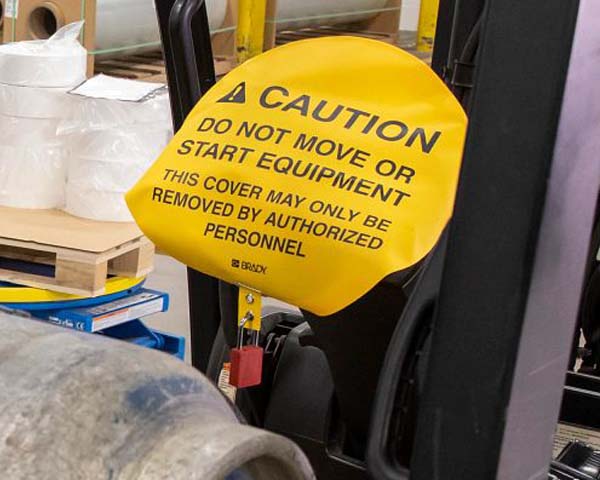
{"points": [[116, 33], [29, 64], [115, 30], [27, 132], [98, 114], [97, 205], [32, 102], [37, 69], [32, 177], [105, 176], [59, 61], [122, 26], [295, 14], [130, 143], [116, 130]]}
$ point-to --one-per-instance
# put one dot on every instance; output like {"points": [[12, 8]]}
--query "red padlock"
{"points": [[246, 366]]}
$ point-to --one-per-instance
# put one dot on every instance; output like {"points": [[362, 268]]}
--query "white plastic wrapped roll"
{"points": [[59, 61], [95, 114], [32, 176], [130, 143], [97, 205], [116, 30], [117, 34], [107, 164], [34, 78], [27, 132], [118, 128], [296, 14], [32, 102], [105, 176]]}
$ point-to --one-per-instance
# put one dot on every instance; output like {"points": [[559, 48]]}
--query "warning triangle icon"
{"points": [[237, 95]]}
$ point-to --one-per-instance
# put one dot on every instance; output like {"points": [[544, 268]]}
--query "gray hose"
{"points": [[80, 406]]}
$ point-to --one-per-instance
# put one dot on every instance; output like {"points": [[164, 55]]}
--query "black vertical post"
{"points": [[187, 50], [443, 33], [456, 19], [509, 208]]}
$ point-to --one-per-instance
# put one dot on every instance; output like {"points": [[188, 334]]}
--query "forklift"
{"points": [[463, 373]]}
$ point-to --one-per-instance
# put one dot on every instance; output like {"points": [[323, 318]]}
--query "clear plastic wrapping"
{"points": [[112, 143], [34, 79], [129, 143], [59, 61], [94, 115], [307, 13], [97, 205], [33, 163], [34, 102], [116, 33], [21, 131], [108, 176], [32, 176]]}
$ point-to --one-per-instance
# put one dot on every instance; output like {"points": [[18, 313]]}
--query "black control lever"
{"points": [[185, 36]]}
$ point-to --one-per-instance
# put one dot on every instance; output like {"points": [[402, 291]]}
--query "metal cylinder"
{"points": [[80, 406]]}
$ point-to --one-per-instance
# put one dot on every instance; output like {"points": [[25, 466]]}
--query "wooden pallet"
{"points": [[75, 271], [148, 67], [52, 250], [287, 36]]}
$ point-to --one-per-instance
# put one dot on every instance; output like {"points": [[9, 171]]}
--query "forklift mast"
{"points": [[503, 297], [501, 290]]}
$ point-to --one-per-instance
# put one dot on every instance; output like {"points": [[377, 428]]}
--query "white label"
{"points": [[123, 302], [228, 390], [566, 433], [11, 10], [127, 314], [111, 88]]}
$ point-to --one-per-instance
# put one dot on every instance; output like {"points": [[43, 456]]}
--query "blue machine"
{"points": [[116, 314]]}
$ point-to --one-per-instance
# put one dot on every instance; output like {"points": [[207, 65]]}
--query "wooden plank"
{"points": [[133, 67], [55, 228], [287, 36], [223, 43], [158, 78], [27, 255], [136, 263], [223, 66], [387, 21], [75, 273]]}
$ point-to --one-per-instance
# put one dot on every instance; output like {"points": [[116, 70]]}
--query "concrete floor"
{"points": [[170, 276]]}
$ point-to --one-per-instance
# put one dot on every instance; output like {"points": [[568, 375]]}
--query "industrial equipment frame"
{"points": [[506, 286]]}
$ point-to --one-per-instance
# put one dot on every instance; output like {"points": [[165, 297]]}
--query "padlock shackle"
{"points": [[245, 319]]}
